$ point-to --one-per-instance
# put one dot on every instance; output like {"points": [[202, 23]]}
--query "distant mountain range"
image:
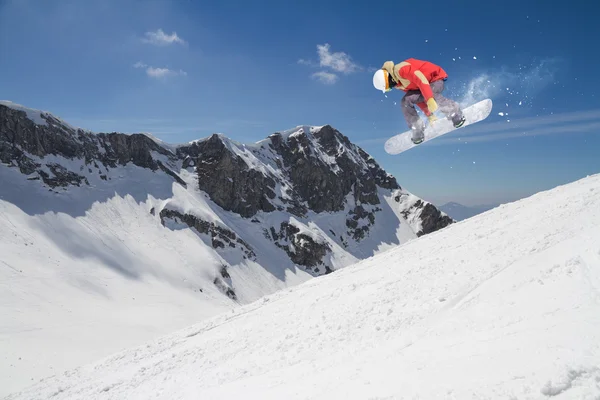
{"points": [[459, 212]]}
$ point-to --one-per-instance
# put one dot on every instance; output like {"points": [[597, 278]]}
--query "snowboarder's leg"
{"points": [[450, 108], [408, 103]]}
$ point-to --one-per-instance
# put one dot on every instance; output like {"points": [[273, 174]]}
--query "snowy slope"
{"points": [[101, 260], [90, 271], [505, 305]]}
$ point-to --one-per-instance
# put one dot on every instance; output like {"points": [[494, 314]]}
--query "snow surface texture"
{"points": [[97, 276], [88, 271], [504, 305]]}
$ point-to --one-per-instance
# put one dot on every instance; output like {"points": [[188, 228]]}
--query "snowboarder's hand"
{"points": [[432, 105], [432, 118]]}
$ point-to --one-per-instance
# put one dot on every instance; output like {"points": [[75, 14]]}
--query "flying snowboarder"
{"points": [[423, 83]]}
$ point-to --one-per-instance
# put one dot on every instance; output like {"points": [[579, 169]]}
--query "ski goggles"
{"points": [[387, 81]]}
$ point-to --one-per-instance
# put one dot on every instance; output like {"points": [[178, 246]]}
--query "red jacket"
{"points": [[417, 74]]}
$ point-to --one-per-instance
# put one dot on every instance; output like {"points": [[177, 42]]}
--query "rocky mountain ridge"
{"points": [[304, 174]]}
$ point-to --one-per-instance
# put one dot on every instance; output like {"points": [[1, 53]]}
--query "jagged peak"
{"points": [[323, 143], [37, 116], [40, 117], [297, 130]]}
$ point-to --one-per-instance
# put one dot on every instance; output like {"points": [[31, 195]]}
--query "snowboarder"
{"points": [[423, 83]]}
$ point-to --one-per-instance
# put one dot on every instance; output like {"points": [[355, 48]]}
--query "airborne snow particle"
{"points": [[474, 58], [501, 114], [426, 40]]}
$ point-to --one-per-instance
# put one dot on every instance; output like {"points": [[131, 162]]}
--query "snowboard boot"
{"points": [[417, 137], [418, 132], [460, 122]]}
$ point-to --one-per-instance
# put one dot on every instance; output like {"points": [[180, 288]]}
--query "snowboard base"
{"points": [[474, 113]]}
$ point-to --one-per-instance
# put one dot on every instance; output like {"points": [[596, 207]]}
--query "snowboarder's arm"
{"points": [[423, 107]]}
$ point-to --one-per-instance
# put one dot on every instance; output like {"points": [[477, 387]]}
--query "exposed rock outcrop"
{"points": [[228, 179], [220, 237], [325, 185], [300, 247], [26, 144]]}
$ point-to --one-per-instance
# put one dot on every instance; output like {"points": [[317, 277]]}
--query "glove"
{"points": [[432, 105], [432, 118]]}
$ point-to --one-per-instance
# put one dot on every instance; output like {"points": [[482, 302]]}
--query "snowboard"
{"points": [[474, 113]]}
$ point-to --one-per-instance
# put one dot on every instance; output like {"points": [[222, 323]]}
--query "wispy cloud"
{"points": [[307, 62], [163, 72], [527, 124], [325, 77], [589, 127], [160, 38], [336, 62], [155, 72], [554, 124]]}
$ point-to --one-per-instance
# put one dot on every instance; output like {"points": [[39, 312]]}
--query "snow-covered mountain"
{"points": [[460, 212], [108, 239], [505, 305]]}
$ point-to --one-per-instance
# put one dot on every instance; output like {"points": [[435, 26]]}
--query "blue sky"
{"points": [[185, 69]]}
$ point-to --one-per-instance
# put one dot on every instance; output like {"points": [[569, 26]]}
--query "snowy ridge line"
{"points": [[37, 116], [40, 117], [244, 150]]}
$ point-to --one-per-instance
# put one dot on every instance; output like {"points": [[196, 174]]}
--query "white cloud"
{"points": [[163, 72], [562, 124], [325, 77], [577, 122], [338, 61], [590, 127], [306, 62], [160, 38], [156, 72]]}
